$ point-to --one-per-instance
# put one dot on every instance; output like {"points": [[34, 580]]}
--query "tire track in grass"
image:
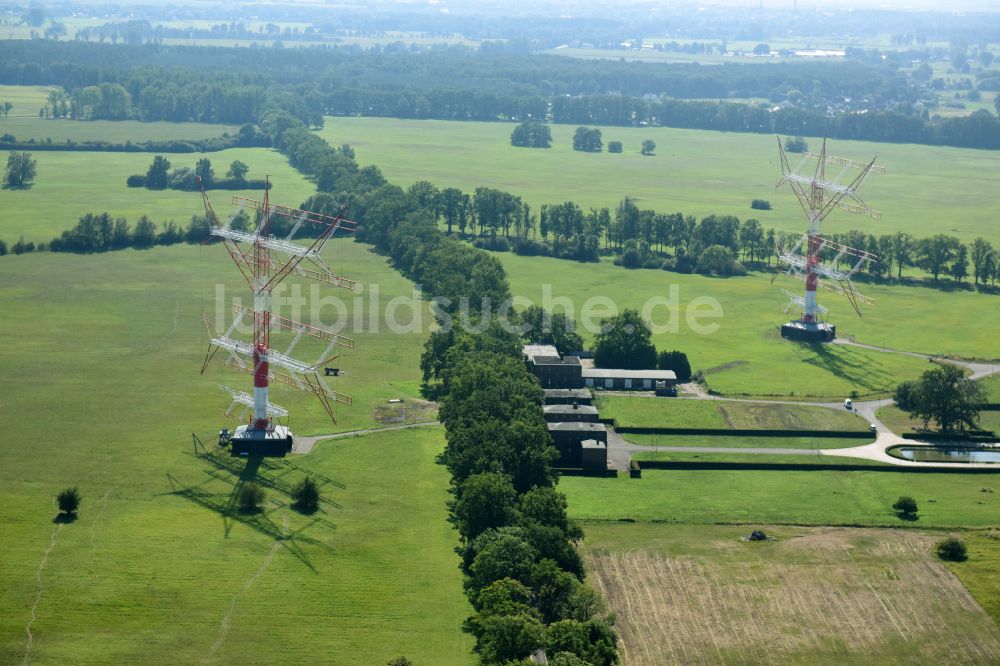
{"points": [[38, 596], [227, 618]]}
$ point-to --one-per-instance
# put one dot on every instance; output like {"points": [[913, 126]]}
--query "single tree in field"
{"points": [[20, 170], [944, 395], [68, 500], [7, 106], [624, 342], [952, 549], [614, 146], [305, 495], [648, 147], [905, 506]]}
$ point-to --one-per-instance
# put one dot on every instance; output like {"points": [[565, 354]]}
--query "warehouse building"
{"points": [[628, 380]]}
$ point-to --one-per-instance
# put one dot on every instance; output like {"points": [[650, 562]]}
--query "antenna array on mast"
{"points": [[265, 259], [817, 261]]}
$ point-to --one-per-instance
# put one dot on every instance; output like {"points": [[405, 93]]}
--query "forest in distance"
{"points": [[855, 99]]}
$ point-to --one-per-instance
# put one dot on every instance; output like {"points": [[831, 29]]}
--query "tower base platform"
{"points": [[810, 331], [249, 441]]}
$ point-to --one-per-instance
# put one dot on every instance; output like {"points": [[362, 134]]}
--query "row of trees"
{"points": [[159, 176], [102, 233], [523, 575]]}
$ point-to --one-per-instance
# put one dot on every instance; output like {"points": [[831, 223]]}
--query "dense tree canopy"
{"points": [[624, 342]]}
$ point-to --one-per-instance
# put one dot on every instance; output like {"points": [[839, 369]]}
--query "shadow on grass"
{"points": [[909, 517], [864, 371], [266, 473], [224, 504], [65, 518]]}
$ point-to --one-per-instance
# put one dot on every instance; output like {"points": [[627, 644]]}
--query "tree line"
{"points": [[159, 176], [242, 85], [523, 574]]}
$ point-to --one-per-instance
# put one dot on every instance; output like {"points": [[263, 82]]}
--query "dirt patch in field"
{"points": [[725, 366], [827, 596], [407, 411]]}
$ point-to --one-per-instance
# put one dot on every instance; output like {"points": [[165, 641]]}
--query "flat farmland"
{"points": [[101, 361], [813, 596], [71, 184], [926, 190]]}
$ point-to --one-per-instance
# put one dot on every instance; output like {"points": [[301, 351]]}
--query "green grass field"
{"points": [[980, 573], [736, 456], [26, 101], [742, 442], [101, 363], [746, 354], [71, 184], [795, 497], [926, 190], [24, 123], [664, 413], [900, 421]]}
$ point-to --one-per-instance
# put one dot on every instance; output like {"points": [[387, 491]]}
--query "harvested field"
{"points": [[824, 595]]}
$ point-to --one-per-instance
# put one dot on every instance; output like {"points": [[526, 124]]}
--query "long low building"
{"points": [[628, 380]]}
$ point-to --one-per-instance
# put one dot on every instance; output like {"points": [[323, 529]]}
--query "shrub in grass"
{"points": [[905, 506], [251, 498], [951, 549], [68, 500], [305, 495]]}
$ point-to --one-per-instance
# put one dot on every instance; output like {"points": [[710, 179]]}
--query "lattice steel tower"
{"points": [[818, 196], [265, 260]]}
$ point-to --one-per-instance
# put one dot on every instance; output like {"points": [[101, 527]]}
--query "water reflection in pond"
{"points": [[943, 454]]}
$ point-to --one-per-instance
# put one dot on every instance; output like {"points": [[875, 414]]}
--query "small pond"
{"points": [[946, 454]]}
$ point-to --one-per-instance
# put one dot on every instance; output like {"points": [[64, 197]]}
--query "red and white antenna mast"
{"points": [[818, 196], [265, 260]]}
